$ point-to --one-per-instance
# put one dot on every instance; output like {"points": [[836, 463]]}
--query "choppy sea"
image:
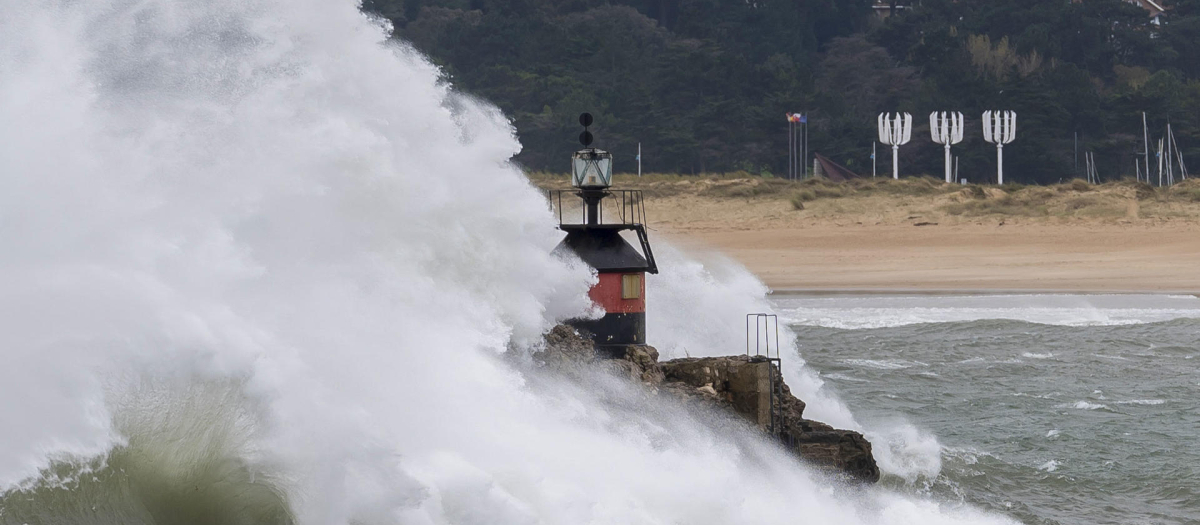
{"points": [[1070, 409]]}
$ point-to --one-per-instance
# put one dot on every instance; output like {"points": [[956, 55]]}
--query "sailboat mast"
{"points": [[1146, 145], [1179, 155]]}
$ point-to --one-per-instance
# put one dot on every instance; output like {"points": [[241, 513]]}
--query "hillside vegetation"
{"points": [[703, 85], [749, 200]]}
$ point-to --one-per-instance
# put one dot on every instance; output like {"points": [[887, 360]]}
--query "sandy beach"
{"points": [[1104, 239], [1012, 257]]}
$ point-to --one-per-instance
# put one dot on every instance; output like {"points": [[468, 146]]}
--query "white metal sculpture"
{"points": [[999, 128], [895, 132], [946, 128]]}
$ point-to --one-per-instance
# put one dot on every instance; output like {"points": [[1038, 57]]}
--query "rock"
{"points": [[568, 351], [743, 383], [843, 451], [748, 386], [645, 361]]}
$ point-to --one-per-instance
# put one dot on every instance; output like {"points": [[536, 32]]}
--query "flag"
{"points": [[793, 117], [804, 119]]}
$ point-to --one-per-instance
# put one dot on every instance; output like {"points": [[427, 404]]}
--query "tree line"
{"points": [[704, 85]]}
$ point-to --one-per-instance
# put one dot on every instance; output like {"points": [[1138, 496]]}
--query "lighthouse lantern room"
{"points": [[621, 269]]}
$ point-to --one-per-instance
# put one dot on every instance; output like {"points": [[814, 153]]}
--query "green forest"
{"points": [[704, 85]]}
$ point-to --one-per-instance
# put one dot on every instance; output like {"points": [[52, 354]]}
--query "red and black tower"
{"points": [[621, 268]]}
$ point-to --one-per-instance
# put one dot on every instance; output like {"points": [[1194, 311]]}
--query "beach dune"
{"points": [[921, 235]]}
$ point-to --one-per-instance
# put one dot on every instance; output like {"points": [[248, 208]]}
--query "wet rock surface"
{"points": [[740, 384]]}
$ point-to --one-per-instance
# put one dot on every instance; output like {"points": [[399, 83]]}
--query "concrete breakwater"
{"points": [[738, 385]]}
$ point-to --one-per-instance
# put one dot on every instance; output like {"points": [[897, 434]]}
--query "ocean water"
{"points": [[1069, 409], [259, 265]]}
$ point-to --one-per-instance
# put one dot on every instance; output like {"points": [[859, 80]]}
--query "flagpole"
{"points": [[639, 159], [793, 146], [804, 161], [1146, 144], [791, 161]]}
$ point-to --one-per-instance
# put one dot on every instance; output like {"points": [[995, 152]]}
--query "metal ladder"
{"points": [[764, 346]]}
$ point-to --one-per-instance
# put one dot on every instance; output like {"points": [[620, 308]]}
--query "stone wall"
{"points": [[739, 383]]}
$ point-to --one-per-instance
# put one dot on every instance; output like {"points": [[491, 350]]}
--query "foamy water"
{"points": [[260, 266], [881, 311], [1050, 408]]}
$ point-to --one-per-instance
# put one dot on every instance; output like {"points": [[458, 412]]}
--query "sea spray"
{"points": [[699, 305], [252, 250]]}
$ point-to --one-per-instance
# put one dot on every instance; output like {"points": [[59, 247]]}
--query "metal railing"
{"points": [[628, 206], [764, 326]]}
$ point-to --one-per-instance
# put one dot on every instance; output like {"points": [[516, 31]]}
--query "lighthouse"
{"points": [[602, 242]]}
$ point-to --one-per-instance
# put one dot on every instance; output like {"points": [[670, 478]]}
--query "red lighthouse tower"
{"points": [[621, 268]]}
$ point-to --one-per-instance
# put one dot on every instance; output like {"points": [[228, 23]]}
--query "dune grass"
{"points": [[1072, 199]]}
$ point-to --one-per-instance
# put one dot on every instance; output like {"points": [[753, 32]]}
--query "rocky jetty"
{"points": [[740, 384]]}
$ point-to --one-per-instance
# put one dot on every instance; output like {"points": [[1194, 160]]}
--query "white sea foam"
{"points": [[1085, 405], [697, 307], [1050, 395], [844, 377], [1113, 357], [1049, 466], [859, 312], [906, 451], [967, 455], [259, 194], [1142, 402], [883, 364], [1031, 355]]}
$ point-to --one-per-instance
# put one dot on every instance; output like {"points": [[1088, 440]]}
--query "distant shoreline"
{"points": [[869, 292], [923, 237]]}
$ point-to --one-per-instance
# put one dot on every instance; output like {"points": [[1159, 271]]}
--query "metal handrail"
{"points": [[763, 324], [630, 206], [762, 327]]}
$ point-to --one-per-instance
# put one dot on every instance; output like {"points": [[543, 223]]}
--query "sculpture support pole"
{"points": [[948, 162], [895, 162], [999, 163]]}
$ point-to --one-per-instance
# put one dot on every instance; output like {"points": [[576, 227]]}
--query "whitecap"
{"points": [[1049, 466], [868, 312], [1114, 357], [1050, 395], [1142, 402], [968, 455], [843, 377], [906, 451], [1032, 355], [883, 364]]}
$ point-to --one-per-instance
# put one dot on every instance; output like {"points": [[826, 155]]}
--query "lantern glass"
{"points": [[591, 168]]}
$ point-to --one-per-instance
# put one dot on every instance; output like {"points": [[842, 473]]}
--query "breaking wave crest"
{"points": [[865, 312], [184, 460], [260, 266]]}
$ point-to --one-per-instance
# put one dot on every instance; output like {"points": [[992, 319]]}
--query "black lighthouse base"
{"points": [[613, 330]]}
